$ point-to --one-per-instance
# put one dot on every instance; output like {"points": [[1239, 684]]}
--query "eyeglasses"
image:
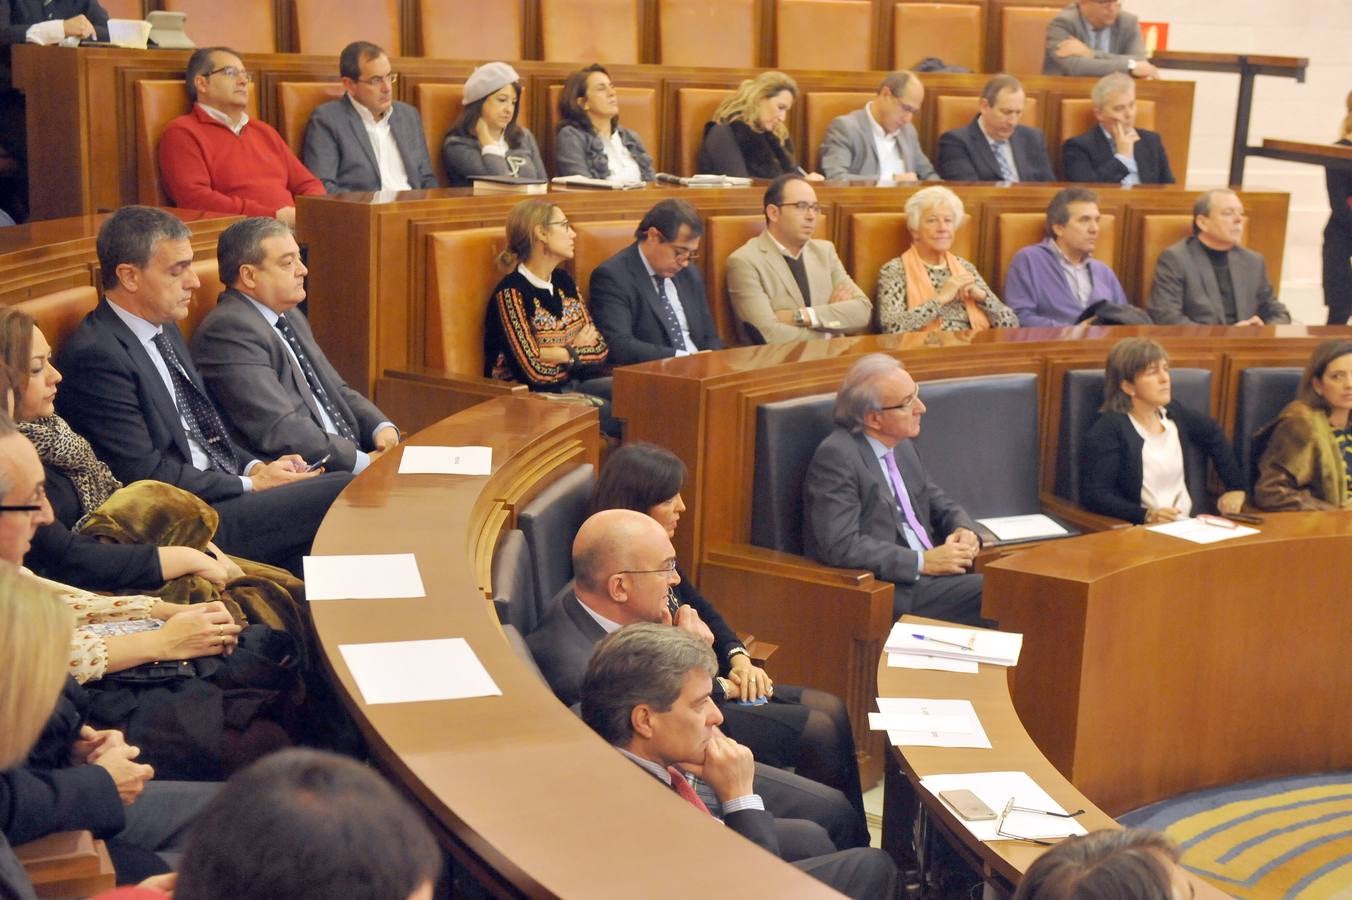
{"points": [[1011, 807], [376, 81], [802, 206], [905, 404], [232, 73], [667, 568], [561, 223], [683, 254], [39, 497], [909, 109]]}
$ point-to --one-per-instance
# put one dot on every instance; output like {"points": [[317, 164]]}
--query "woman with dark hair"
{"points": [[797, 727], [1135, 451], [485, 138], [1127, 864], [1338, 232], [748, 137], [1305, 454], [590, 140]]}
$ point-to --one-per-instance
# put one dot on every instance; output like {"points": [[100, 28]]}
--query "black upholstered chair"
{"points": [[787, 434], [520, 648], [549, 523], [514, 583], [1263, 391]]}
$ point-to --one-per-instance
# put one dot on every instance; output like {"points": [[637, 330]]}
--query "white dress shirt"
{"points": [[221, 117], [890, 161], [393, 174], [622, 165]]}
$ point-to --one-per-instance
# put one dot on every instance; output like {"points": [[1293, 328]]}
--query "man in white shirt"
{"points": [[879, 141], [367, 140]]}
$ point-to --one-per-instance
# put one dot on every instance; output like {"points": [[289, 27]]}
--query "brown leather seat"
{"points": [[123, 9], [205, 298], [821, 107], [1016, 230], [462, 272], [158, 102], [1077, 117], [596, 243], [604, 31], [877, 238], [955, 32], [1023, 38], [438, 104], [484, 29], [59, 313], [954, 111], [723, 235], [694, 108], [296, 100], [249, 26], [638, 112], [325, 27], [824, 34], [719, 33], [1158, 232]]}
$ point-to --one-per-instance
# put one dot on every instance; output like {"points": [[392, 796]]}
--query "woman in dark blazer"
{"points": [[747, 137], [590, 140], [1338, 234], [1135, 453]]}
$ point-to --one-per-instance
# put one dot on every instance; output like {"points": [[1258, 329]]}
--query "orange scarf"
{"points": [[920, 291]]}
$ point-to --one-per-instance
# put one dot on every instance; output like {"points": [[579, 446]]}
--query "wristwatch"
{"points": [[1131, 65], [800, 316]]}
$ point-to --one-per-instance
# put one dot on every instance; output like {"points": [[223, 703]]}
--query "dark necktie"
{"points": [[669, 320], [312, 378], [204, 423], [685, 791]]}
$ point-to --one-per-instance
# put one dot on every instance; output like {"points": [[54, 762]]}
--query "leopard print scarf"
{"points": [[61, 448]]}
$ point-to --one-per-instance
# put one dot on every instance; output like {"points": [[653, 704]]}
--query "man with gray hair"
{"points": [[1115, 149], [878, 143], [868, 503], [1095, 37]]}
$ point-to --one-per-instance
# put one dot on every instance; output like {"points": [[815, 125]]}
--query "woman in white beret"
{"points": [[485, 139]]}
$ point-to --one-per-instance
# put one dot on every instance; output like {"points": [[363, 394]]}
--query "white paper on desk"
{"points": [[1000, 648], [446, 461], [915, 722], [1021, 528], [936, 663], [995, 790], [414, 671], [379, 576], [1199, 532]]}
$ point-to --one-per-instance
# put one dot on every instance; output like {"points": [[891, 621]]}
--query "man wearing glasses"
{"points": [[648, 299], [878, 143], [367, 140], [1095, 37], [868, 503], [216, 158], [785, 286]]}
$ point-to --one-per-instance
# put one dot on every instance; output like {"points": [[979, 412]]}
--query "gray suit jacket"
{"points": [[849, 149], [1124, 43], [759, 283], [264, 395], [850, 518], [1185, 290], [339, 153]]}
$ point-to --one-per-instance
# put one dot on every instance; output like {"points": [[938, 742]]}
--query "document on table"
{"points": [[913, 722], [996, 789], [1022, 528], [446, 461], [379, 576], [1199, 531], [415, 671], [936, 663], [1000, 648]]}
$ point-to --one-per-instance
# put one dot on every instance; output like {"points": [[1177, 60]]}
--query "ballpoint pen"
{"points": [[921, 637]]}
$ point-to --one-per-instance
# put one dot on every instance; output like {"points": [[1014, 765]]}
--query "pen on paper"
{"points": [[921, 637]]}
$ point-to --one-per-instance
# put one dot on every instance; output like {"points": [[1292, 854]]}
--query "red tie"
{"points": [[686, 792]]}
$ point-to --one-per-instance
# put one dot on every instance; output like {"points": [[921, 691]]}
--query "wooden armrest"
{"points": [[67, 864], [418, 398], [759, 651], [1081, 518]]}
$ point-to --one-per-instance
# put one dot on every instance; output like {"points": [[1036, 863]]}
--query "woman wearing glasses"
{"points": [[485, 139], [747, 137], [929, 288], [590, 140], [538, 331]]}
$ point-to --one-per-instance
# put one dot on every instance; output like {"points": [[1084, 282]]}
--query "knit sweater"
{"points": [[205, 166]]}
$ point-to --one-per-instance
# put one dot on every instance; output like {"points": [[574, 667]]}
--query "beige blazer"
{"points": [[760, 284]]}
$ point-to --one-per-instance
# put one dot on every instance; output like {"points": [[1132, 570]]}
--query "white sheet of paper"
{"points": [[999, 648], [1199, 532], [446, 461], [415, 671], [1017, 528], [379, 576], [995, 790], [915, 722], [937, 663], [880, 721]]}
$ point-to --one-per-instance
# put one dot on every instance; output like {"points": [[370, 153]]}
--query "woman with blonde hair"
{"points": [[1338, 233], [747, 137]]}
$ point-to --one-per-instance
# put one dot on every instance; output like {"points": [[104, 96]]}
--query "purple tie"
{"points": [[895, 474]]}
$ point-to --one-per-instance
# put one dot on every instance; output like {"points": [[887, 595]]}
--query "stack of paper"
{"points": [[1023, 528], [1200, 531], [929, 723], [965, 645], [996, 789]]}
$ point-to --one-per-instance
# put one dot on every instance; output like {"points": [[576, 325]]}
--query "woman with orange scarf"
{"points": [[928, 288]]}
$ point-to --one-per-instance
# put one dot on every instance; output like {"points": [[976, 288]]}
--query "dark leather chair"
{"points": [[513, 584], [518, 644], [787, 434], [1081, 397], [549, 522], [1263, 391]]}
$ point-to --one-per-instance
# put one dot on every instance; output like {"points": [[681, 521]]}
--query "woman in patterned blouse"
{"points": [[1306, 452], [928, 288], [538, 331]]}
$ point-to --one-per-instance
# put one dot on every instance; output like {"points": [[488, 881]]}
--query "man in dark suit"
{"points": [[647, 692], [868, 503], [994, 146], [367, 140], [51, 21], [131, 389], [260, 360], [1115, 149], [648, 300], [1094, 37], [1208, 279]]}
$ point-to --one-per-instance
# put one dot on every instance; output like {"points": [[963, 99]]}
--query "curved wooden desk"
{"points": [[522, 792], [1153, 666]]}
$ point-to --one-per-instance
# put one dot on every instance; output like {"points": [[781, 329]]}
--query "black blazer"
{"points": [[624, 303], [16, 16], [1110, 483], [1089, 157], [966, 155]]}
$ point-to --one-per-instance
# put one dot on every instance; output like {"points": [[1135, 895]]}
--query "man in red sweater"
{"points": [[216, 158]]}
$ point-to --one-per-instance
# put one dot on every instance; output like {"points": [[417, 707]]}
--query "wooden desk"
{"points": [[1152, 666], [521, 791]]}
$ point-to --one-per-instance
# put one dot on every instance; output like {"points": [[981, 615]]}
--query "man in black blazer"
{"points": [[647, 693], [261, 362], [648, 300], [994, 146], [367, 140], [131, 389], [868, 503], [1115, 149]]}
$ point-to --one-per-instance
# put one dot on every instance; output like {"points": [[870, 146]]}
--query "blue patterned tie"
{"points": [[669, 320], [204, 423], [312, 378], [1007, 172]]}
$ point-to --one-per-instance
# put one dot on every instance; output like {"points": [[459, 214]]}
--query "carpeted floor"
{"points": [[1284, 837]]}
